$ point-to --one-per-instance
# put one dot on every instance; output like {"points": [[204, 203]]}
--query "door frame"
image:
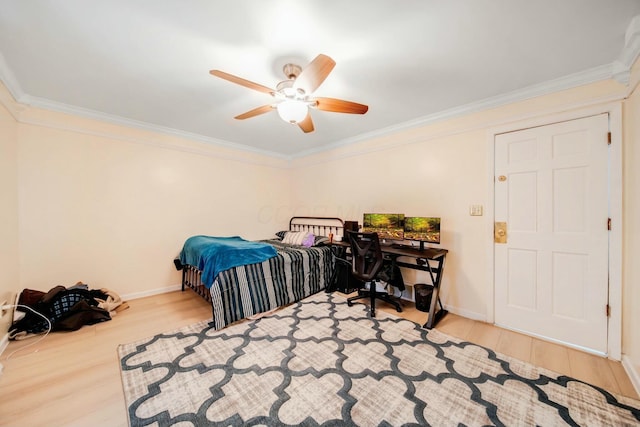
{"points": [[614, 109]]}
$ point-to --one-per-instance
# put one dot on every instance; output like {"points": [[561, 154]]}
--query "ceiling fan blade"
{"points": [[307, 124], [255, 112], [242, 82], [340, 106], [314, 74]]}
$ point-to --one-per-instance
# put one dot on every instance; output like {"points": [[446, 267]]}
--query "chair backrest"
{"points": [[366, 255]]}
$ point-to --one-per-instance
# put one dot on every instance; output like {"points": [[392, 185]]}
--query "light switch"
{"points": [[475, 210]]}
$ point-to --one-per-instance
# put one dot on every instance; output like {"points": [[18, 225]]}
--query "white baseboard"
{"points": [[151, 292], [480, 317], [634, 375]]}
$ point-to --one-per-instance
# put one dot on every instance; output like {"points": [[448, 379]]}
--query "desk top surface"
{"points": [[405, 250]]}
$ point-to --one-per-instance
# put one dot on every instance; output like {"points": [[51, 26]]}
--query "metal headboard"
{"points": [[320, 226]]}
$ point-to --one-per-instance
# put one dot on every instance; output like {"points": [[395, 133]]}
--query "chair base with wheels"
{"points": [[373, 296], [367, 262]]}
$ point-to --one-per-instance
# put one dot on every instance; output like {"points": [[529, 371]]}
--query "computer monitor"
{"points": [[387, 226], [422, 229]]}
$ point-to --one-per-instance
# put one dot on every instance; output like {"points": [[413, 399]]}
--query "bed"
{"points": [[295, 272]]}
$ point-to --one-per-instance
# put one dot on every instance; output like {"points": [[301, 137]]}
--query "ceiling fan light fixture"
{"points": [[294, 96], [292, 111]]}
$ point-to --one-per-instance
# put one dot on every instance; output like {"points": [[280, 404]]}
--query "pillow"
{"points": [[294, 237], [281, 234], [320, 240]]}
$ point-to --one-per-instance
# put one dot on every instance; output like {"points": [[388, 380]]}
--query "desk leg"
{"points": [[435, 316]]}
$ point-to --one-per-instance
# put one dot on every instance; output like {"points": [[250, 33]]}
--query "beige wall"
{"points": [[112, 206], [631, 240], [435, 178], [9, 273]]}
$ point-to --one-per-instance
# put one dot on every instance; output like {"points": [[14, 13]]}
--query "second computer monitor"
{"points": [[422, 229]]}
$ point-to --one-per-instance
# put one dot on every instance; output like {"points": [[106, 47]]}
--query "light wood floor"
{"points": [[73, 379]]}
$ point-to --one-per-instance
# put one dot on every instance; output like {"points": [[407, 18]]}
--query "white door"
{"points": [[551, 190]]}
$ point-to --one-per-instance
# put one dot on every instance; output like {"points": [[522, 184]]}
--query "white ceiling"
{"points": [[146, 63]]}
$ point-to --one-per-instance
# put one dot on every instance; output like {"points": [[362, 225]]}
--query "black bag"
{"points": [[66, 309], [70, 309], [392, 275]]}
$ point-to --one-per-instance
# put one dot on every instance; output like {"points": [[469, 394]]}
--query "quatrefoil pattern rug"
{"points": [[320, 362]]}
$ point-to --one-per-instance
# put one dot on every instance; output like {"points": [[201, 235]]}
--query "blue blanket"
{"points": [[211, 255]]}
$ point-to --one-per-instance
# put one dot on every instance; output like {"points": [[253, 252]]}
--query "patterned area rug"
{"points": [[321, 362]]}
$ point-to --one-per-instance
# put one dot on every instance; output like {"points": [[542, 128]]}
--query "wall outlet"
{"points": [[475, 210], [3, 312]]}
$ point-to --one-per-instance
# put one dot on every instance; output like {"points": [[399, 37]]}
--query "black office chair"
{"points": [[366, 264]]}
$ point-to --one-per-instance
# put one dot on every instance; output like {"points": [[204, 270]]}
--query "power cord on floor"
{"points": [[9, 306]]}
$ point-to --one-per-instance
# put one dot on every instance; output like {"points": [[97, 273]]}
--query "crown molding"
{"points": [[136, 124], [621, 68], [574, 80], [589, 107], [239, 154], [9, 80], [21, 101], [593, 75], [9, 98]]}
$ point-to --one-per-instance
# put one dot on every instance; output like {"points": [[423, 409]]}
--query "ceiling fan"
{"points": [[294, 95]]}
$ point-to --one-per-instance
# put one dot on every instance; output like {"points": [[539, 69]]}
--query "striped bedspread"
{"points": [[293, 274]]}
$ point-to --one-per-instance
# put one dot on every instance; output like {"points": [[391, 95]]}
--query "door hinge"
{"points": [[608, 310], [609, 138], [609, 224]]}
